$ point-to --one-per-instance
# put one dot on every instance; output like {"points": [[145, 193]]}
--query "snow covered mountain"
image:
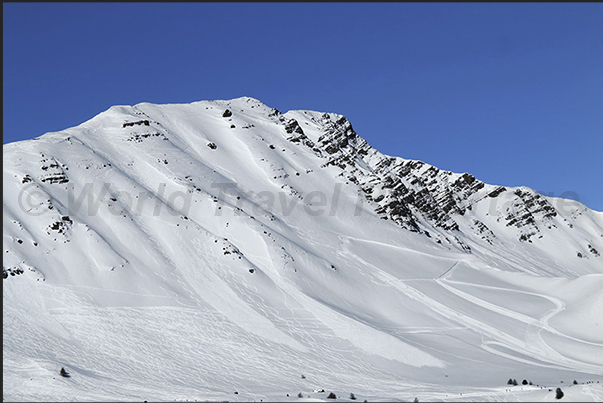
{"points": [[191, 251]]}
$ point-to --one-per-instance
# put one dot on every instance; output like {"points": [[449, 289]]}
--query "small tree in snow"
{"points": [[332, 396], [352, 397]]}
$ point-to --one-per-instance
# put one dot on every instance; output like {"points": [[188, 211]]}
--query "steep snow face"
{"points": [[187, 251]]}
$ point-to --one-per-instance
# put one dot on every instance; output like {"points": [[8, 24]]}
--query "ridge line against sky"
{"points": [[509, 92]]}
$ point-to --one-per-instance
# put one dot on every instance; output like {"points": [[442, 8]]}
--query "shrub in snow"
{"points": [[300, 395], [352, 397], [558, 393]]}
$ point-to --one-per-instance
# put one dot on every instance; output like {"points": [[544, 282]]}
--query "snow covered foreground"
{"points": [[221, 250]]}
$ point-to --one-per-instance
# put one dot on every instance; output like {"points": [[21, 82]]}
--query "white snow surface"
{"points": [[168, 252]]}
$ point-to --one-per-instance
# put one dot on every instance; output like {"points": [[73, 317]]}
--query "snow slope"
{"points": [[188, 251]]}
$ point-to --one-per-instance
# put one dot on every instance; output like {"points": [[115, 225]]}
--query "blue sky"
{"points": [[509, 92]]}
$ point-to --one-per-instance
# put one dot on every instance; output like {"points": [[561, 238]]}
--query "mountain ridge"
{"points": [[288, 231]]}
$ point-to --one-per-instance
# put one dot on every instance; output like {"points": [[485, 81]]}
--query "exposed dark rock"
{"points": [[11, 271], [138, 137], [57, 178], [139, 122], [61, 226], [497, 191], [292, 126]]}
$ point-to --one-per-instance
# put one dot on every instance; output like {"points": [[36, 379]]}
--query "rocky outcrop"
{"points": [[415, 195]]}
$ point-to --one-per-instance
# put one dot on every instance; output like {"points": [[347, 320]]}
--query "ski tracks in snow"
{"points": [[534, 345]]}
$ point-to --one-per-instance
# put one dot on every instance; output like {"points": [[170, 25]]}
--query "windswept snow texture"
{"points": [[191, 251]]}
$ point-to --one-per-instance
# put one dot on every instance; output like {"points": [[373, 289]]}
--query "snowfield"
{"points": [[224, 251]]}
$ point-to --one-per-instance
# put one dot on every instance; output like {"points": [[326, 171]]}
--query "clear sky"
{"points": [[509, 92]]}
